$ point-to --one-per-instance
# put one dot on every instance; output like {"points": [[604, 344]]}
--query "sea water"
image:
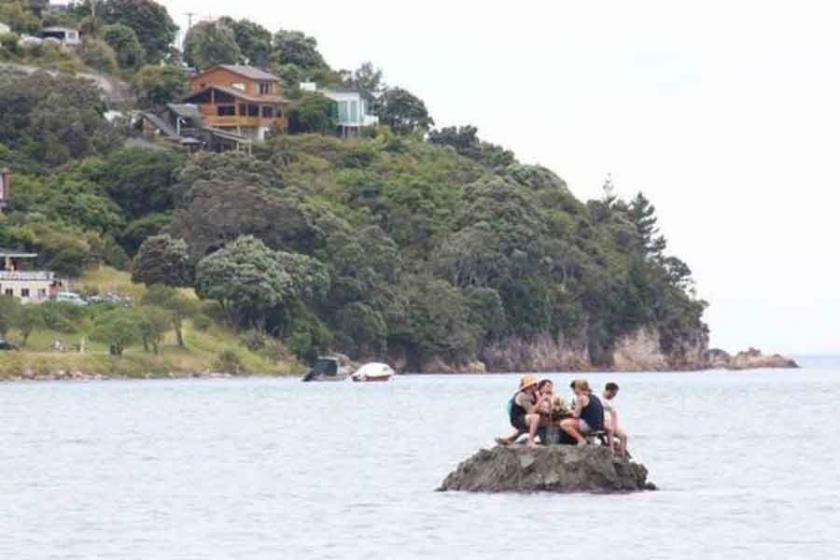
{"points": [[748, 466]]}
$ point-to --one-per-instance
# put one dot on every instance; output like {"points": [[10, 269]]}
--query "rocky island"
{"points": [[554, 468]]}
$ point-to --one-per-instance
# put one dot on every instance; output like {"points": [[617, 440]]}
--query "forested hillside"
{"points": [[422, 246]]}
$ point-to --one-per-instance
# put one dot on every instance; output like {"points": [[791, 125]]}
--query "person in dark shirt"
{"points": [[588, 413], [524, 411]]}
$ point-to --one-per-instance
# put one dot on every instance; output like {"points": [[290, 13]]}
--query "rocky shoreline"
{"points": [[637, 352]]}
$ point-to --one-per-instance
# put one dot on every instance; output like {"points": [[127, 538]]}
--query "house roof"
{"points": [[251, 72], [239, 94], [185, 110], [58, 28]]}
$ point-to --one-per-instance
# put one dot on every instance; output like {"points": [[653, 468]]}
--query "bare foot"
{"points": [[532, 444], [502, 441], [581, 442]]}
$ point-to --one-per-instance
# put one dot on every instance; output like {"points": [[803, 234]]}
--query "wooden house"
{"points": [[240, 99]]}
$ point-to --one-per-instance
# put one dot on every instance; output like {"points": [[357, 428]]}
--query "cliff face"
{"points": [[541, 353], [638, 351]]}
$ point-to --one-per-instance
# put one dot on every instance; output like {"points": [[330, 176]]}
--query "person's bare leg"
{"points": [[610, 436], [622, 440], [533, 421], [509, 439], [569, 425]]}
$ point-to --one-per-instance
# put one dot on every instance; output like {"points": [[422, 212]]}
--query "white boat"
{"points": [[373, 371]]}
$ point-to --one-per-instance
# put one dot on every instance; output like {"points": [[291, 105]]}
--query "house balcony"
{"points": [[237, 121], [26, 275]]}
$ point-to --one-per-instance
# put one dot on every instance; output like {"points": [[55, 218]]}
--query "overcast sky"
{"points": [[725, 114]]}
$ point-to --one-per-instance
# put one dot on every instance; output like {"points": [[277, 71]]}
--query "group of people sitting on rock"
{"points": [[535, 409]]}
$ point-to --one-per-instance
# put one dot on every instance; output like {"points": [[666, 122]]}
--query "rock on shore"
{"points": [[749, 359], [553, 468]]}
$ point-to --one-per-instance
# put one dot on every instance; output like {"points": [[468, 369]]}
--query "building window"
{"points": [[354, 111], [9, 292], [342, 112], [226, 110], [238, 85], [42, 293], [243, 110], [24, 292], [265, 88], [267, 112], [253, 110]]}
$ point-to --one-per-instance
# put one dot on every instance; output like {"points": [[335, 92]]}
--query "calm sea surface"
{"points": [[748, 465]]}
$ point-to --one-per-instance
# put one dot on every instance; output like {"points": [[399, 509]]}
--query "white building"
{"points": [[353, 111], [68, 36], [30, 286]]}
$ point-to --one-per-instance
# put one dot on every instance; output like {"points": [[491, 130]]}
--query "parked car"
{"points": [[70, 297], [6, 345]]}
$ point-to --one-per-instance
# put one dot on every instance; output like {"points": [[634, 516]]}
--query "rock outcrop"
{"points": [[553, 468], [749, 359]]}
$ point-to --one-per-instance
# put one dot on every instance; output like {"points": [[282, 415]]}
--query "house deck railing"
{"points": [[26, 275]]}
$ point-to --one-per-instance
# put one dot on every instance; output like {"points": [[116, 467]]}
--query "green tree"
{"points": [[465, 141], [140, 180], [150, 21], [294, 47], [367, 80], [643, 216], [96, 54], [152, 324], [159, 85], [52, 119], [254, 40], [209, 43], [313, 113], [403, 112], [118, 328], [126, 46], [162, 260], [438, 321], [9, 310], [179, 306], [29, 318], [16, 15], [246, 278]]}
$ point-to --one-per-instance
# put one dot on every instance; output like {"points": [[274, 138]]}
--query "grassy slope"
{"points": [[202, 347]]}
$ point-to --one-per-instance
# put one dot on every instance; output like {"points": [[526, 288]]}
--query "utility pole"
{"points": [[189, 19], [189, 24]]}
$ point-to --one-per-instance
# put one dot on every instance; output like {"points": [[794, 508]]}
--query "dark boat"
{"points": [[327, 369]]}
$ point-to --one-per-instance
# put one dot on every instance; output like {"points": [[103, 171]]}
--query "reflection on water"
{"points": [[265, 468]]}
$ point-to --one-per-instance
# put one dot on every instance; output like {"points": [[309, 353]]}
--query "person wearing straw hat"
{"points": [[523, 410]]}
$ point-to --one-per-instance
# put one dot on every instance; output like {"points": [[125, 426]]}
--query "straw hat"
{"points": [[527, 381]]}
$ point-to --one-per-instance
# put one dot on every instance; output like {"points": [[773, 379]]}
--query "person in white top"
{"points": [[611, 424]]}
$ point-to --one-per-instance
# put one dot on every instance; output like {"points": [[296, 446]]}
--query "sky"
{"points": [[725, 114]]}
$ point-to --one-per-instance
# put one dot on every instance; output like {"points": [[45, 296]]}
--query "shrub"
{"points": [[202, 323], [98, 55], [228, 361], [9, 41], [253, 340]]}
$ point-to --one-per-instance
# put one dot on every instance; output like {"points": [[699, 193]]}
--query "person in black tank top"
{"points": [[523, 411], [588, 415]]}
